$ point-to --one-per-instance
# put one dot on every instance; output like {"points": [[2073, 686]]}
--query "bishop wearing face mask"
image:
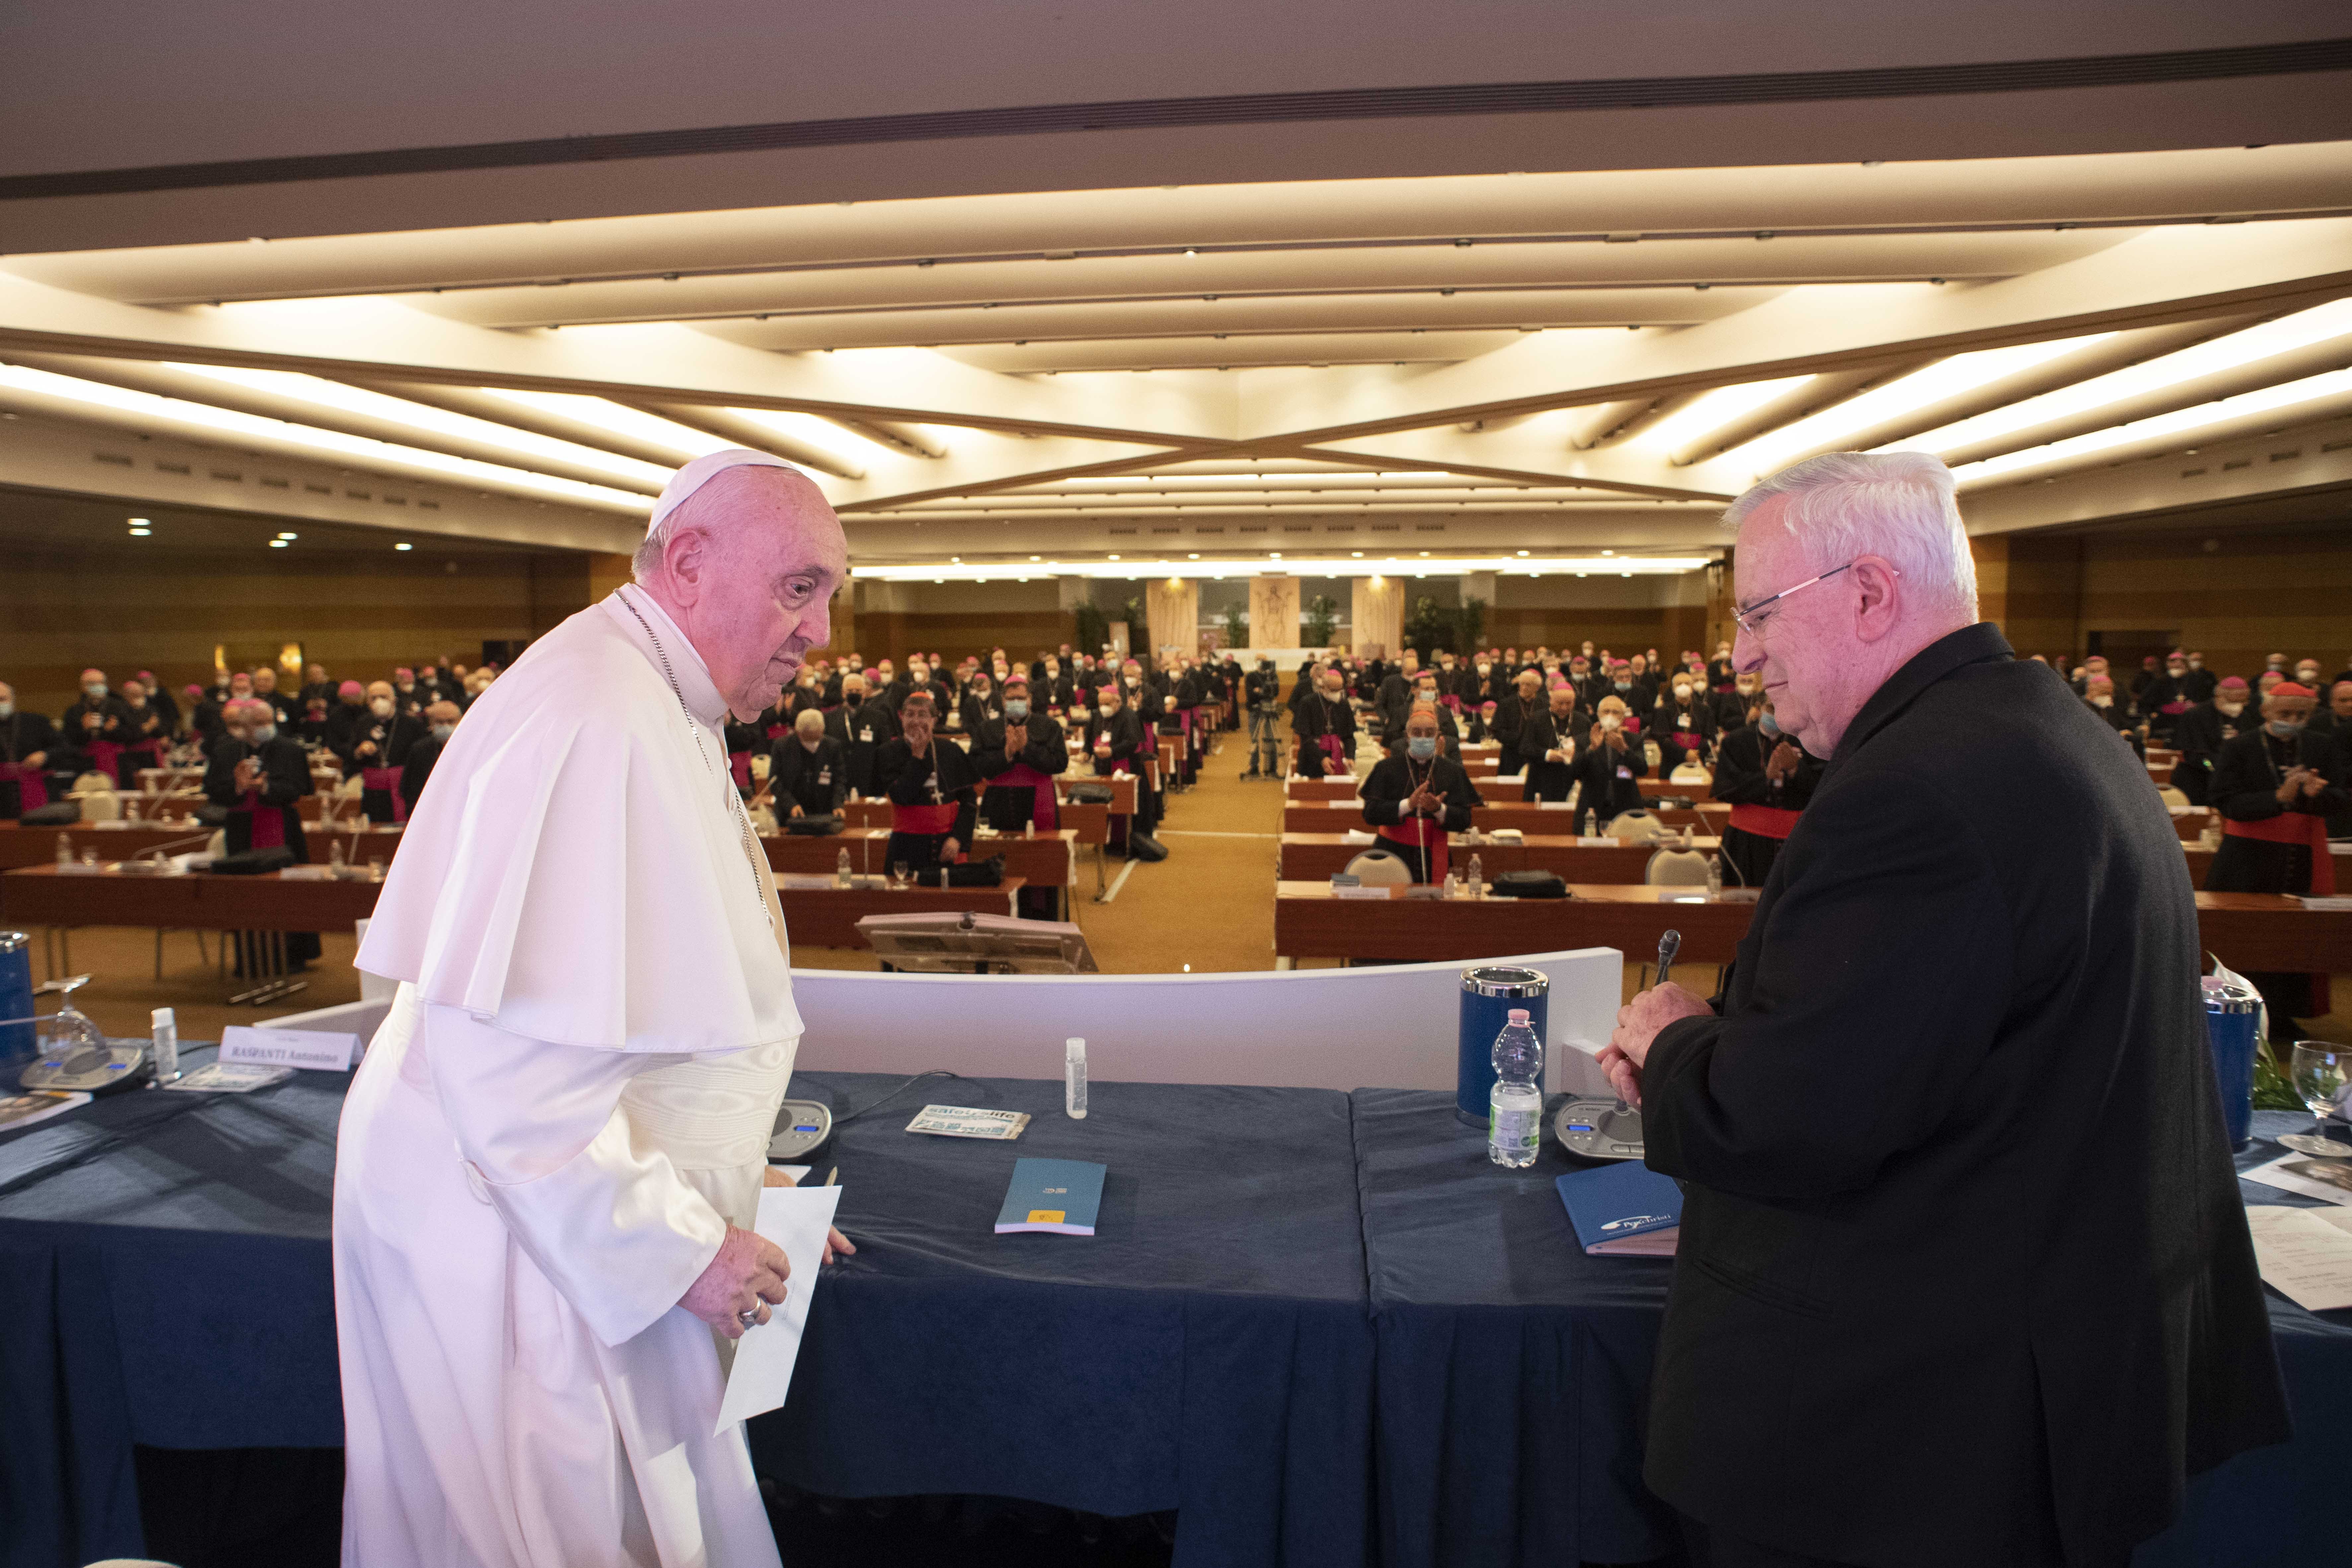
{"points": [[1682, 723], [1020, 756], [2275, 788], [1326, 728], [259, 775], [440, 721], [2204, 730], [96, 722], [808, 769], [1415, 796], [28, 750], [374, 747]]}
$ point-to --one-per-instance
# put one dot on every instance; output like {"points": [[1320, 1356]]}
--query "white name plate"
{"points": [[310, 1048]]}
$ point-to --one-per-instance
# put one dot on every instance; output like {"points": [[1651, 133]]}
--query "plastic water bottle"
{"points": [[1074, 1079], [840, 870], [65, 850], [1515, 1105], [1478, 884], [1715, 876]]}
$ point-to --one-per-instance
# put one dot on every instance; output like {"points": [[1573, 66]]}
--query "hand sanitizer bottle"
{"points": [[1074, 1079], [165, 1034], [1515, 1105]]}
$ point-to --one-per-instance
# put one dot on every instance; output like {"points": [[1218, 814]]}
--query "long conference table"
{"points": [[1320, 1327], [278, 901], [1314, 920]]}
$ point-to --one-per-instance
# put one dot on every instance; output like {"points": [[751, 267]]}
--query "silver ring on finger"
{"points": [[750, 1320]]}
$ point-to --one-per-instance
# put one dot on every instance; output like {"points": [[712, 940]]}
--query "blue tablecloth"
{"points": [[1208, 1350], [1513, 1371]]}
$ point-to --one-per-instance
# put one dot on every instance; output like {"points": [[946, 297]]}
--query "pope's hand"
{"points": [[835, 1244], [1638, 1022], [748, 1276]]}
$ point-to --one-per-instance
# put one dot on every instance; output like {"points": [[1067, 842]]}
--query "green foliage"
{"points": [[1321, 619], [1469, 625], [2272, 1090], [1237, 625], [1428, 628], [1093, 629]]}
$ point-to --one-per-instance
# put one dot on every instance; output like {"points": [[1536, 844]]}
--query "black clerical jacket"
{"points": [[1390, 785], [285, 779], [1964, 1277], [1124, 731], [816, 781], [1319, 717], [908, 780], [1006, 807]]}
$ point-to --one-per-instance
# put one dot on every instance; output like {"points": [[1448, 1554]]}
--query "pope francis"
{"points": [[551, 1153]]}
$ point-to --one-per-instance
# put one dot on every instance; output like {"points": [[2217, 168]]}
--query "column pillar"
{"points": [[1273, 612], [1376, 611], [1479, 585]]}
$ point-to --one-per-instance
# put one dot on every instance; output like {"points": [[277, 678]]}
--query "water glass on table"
{"points": [[897, 873], [2318, 1069]]}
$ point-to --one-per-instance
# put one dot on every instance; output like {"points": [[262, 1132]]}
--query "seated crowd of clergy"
{"points": [[2269, 757], [843, 729]]}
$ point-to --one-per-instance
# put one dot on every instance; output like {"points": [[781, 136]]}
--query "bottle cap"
{"points": [[1073, 1049], [161, 1019], [1518, 1016]]}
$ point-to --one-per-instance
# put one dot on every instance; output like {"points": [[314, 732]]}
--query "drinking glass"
{"points": [[898, 878], [2318, 1070]]}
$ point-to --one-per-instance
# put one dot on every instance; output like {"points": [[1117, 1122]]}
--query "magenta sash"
{"points": [[32, 790], [388, 781], [739, 764], [268, 821], [103, 756], [1043, 811]]}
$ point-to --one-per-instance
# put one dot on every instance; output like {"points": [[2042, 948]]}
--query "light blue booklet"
{"points": [[1059, 1195]]}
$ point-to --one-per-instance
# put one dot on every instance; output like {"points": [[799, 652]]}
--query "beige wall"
{"points": [[2252, 594], [358, 615], [1376, 616]]}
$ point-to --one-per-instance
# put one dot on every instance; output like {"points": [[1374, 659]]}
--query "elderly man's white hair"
{"points": [[1895, 504]]}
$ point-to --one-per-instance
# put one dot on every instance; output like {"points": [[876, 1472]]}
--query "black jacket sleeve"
{"points": [[1806, 1093]]}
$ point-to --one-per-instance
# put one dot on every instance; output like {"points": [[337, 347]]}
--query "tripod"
{"points": [[1266, 741]]}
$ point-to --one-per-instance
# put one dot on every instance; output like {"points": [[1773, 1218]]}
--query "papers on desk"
{"points": [[2305, 1254], [969, 1121], [1359, 836], [21, 1110], [229, 1077], [2313, 1177], [2325, 901], [797, 1219]]}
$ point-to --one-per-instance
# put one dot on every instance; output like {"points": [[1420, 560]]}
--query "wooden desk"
{"points": [[21, 846], [1309, 922], [1533, 819], [828, 917], [1314, 857], [2262, 931], [1049, 860], [41, 894]]}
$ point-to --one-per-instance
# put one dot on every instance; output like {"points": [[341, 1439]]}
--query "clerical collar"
{"points": [[694, 682]]}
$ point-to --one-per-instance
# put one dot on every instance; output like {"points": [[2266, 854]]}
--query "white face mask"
{"points": [[265, 733], [1681, 692], [95, 690], [381, 707], [442, 731], [7, 708]]}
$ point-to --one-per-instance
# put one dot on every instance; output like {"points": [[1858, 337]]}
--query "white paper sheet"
{"points": [[2309, 1175], [2305, 1254], [797, 1219]]}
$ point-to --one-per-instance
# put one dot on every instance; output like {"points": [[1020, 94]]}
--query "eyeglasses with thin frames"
{"points": [[1752, 619]]}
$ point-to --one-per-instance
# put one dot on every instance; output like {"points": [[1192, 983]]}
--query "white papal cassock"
{"points": [[570, 1102]]}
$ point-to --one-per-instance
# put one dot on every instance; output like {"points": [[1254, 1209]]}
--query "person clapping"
{"points": [[1416, 795]]}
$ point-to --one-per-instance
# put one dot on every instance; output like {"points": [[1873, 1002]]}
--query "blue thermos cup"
{"points": [[15, 1002], [2231, 1013], [1488, 993]]}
